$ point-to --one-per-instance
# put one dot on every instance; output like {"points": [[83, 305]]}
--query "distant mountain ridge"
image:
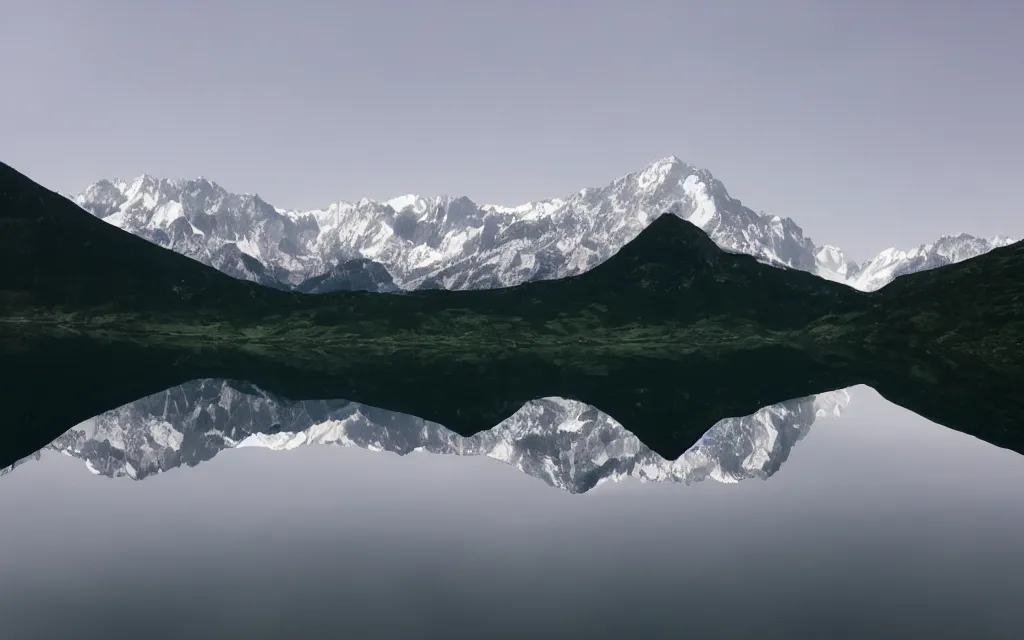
{"points": [[453, 243]]}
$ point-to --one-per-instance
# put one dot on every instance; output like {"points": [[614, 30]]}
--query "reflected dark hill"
{"points": [[669, 405], [568, 445], [667, 337]]}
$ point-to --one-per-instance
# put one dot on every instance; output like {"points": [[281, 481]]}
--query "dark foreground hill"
{"points": [[668, 336]]}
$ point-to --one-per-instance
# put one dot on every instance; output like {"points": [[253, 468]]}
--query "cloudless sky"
{"points": [[872, 123]]}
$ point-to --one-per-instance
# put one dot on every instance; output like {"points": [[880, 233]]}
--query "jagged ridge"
{"points": [[454, 243]]}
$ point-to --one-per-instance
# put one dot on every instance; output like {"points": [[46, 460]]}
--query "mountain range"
{"points": [[414, 242], [453, 243]]}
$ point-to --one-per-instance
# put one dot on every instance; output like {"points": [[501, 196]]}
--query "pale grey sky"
{"points": [[870, 122]]}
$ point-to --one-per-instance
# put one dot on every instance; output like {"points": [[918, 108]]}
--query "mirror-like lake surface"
{"points": [[880, 524]]}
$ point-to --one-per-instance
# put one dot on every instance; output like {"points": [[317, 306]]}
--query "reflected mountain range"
{"points": [[567, 444], [668, 337]]}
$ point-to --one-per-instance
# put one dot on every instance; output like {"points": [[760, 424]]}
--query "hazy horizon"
{"points": [[870, 124]]}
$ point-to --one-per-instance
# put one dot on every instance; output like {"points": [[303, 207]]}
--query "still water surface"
{"points": [[881, 524]]}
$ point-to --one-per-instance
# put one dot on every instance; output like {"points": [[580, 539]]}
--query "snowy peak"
{"points": [[962, 246], [103, 198], [454, 243], [892, 263], [201, 219], [670, 171], [831, 263], [411, 202], [831, 256], [668, 161], [443, 241]]}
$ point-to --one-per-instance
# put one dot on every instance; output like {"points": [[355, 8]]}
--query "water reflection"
{"points": [[881, 524], [566, 443]]}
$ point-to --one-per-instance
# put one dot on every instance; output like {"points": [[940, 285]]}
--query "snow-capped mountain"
{"points": [[891, 263], [454, 243], [567, 444], [411, 242]]}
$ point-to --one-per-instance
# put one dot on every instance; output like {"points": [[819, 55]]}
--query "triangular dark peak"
{"points": [[668, 245], [15, 191], [669, 230]]}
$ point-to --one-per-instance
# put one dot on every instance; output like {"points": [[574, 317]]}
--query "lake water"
{"points": [[880, 524]]}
